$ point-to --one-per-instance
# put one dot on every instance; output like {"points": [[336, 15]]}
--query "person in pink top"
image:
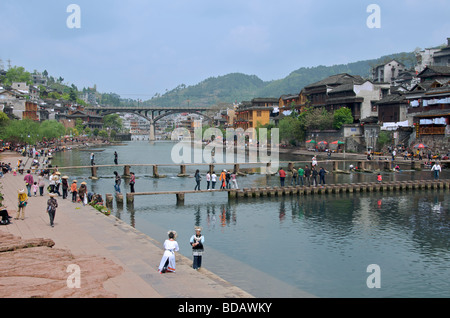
{"points": [[28, 182]]}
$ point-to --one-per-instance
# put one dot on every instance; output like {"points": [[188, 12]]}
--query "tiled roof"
{"points": [[338, 79]]}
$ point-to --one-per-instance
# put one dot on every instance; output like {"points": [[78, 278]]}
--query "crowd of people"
{"points": [[227, 180], [50, 181], [303, 176]]}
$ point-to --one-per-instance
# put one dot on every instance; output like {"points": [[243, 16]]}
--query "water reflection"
{"points": [[328, 239]]}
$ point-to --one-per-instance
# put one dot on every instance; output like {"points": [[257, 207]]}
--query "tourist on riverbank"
{"points": [[28, 182], [5, 216], [57, 182], [436, 168], [132, 182], [308, 175], [22, 203], [294, 176], [115, 157], [314, 174], [322, 174], [168, 259], [289, 176], [197, 240], [213, 180], [65, 186], [314, 162], [227, 179], [234, 180], [82, 193], [52, 182], [222, 178], [198, 178], [35, 188], [208, 180], [74, 189], [282, 174], [41, 183], [379, 178], [52, 204], [117, 182], [301, 174]]}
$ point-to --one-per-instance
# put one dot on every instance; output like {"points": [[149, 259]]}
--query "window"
{"points": [[258, 113]]}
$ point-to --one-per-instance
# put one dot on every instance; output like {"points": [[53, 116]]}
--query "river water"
{"points": [[320, 246]]}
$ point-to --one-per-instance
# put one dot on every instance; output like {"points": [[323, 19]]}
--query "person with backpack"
{"points": [[52, 204], [294, 176]]}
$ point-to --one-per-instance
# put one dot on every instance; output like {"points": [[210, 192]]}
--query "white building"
{"points": [[387, 72]]}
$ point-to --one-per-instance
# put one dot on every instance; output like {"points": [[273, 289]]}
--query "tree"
{"points": [[87, 131], [21, 131], [316, 118], [16, 74], [103, 134], [342, 116], [51, 129], [73, 95], [384, 137], [290, 129], [112, 121], [4, 120], [79, 125]]}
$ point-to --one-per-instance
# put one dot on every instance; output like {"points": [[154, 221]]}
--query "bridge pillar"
{"points": [[180, 198], [151, 137], [155, 171], [126, 171], [94, 171], [335, 165], [182, 171], [109, 199]]}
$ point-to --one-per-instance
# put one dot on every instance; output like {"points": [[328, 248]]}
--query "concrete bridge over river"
{"points": [[150, 113]]}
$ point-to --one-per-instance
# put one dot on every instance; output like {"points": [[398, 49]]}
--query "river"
{"points": [[323, 246]]}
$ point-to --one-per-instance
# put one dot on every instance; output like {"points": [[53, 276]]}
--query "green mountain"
{"points": [[237, 87]]}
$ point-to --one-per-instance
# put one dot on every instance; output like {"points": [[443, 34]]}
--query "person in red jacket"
{"points": [[282, 174]]}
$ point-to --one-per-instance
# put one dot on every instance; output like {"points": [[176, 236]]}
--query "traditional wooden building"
{"points": [[31, 111], [392, 108], [429, 102], [345, 90]]}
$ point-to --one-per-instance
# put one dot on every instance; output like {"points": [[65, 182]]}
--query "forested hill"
{"points": [[237, 87]]}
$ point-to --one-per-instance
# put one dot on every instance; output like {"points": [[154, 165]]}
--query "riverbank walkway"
{"points": [[84, 231]]}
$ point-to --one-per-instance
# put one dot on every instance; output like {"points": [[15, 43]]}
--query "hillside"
{"points": [[239, 87]]}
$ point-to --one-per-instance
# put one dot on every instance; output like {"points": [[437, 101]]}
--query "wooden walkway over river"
{"points": [[338, 166], [389, 186]]}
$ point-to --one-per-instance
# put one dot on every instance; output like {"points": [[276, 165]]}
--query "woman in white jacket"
{"points": [[167, 263]]}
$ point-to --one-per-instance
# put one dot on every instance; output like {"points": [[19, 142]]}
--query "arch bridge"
{"points": [[150, 113]]}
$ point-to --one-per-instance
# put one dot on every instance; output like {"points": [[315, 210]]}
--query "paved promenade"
{"points": [[85, 231]]}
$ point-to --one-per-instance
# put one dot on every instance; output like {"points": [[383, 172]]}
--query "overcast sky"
{"points": [[137, 48]]}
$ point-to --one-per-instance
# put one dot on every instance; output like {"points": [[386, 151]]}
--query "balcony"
{"points": [[431, 130]]}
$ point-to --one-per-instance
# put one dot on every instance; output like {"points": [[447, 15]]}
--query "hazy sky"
{"points": [[137, 48]]}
